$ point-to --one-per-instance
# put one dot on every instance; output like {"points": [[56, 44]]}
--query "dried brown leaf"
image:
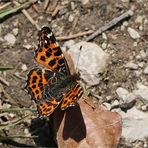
{"points": [[83, 126]]}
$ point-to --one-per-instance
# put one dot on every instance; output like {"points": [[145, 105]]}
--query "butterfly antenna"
{"points": [[78, 59]]}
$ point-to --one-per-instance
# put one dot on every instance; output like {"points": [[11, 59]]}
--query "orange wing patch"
{"points": [[47, 107], [37, 80]]}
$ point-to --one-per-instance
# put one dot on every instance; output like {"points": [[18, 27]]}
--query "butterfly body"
{"points": [[52, 85]]}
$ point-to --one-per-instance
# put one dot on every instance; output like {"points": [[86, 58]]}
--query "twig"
{"points": [[53, 5], [5, 5], [74, 35], [31, 19], [90, 104], [28, 16], [56, 10], [16, 74], [46, 4], [2, 80], [110, 24], [36, 9], [75, 21]]}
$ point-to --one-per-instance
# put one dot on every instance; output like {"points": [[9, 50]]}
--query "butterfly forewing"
{"points": [[49, 53]]}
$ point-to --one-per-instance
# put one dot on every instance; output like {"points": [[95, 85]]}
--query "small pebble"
{"points": [[122, 28], [73, 5], [104, 45], [71, 18], [108, 105], [125, 23], [6, 106], [143, 54], [144, 107], [26, 132], [84, 2], [15, 31], [12, 115], [127, 99], [10, 38], [141, 64], [146, 70], [135, 44], [131, 65], [133, 33], [24, 67], [69, 43], [28, 46], [140, 28], [139, 19], [104, 36], [116, 102]]}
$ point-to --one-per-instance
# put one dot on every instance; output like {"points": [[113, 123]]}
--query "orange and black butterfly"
{"points": [[53, 85]]}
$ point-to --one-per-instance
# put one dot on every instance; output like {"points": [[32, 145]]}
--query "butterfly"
{"points": [[52, 85]]}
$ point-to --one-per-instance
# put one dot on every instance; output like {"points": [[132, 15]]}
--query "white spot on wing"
{"points": [[49, 35]]}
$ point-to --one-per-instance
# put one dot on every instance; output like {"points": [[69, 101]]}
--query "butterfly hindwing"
{"points": [[72, 96], [38, 80], [46, 107]]}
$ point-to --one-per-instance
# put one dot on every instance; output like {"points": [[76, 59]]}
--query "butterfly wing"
{"points": [[37, 83], [49, 53], [46, 108], [72, 96]]}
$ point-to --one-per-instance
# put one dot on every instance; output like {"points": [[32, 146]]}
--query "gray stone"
{"points": [[69, 43], [142, 91], [135, 124], [127, 99], [90, 61]]}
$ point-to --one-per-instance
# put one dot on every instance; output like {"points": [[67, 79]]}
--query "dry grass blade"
{"points": [[15, 9], [5, 5], [5, 68], [13, 122], [2, 80], [15, 136], [17, 110]]}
